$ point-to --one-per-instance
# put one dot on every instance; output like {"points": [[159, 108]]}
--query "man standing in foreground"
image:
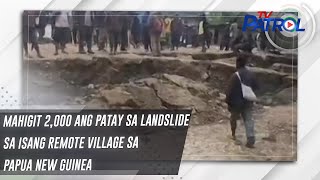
{"points": [[237, 104]]}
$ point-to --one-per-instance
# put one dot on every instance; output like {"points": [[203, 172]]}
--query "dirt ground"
{"points": [[275, 129], [275, 124]]}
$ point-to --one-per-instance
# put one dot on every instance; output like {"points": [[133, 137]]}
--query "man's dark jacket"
{"points": [[234, 97]]}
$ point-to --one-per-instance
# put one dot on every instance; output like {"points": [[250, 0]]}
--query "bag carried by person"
{"points": [[247, 91]]}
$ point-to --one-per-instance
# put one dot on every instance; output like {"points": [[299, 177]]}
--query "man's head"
{"points": [[241, 61]]}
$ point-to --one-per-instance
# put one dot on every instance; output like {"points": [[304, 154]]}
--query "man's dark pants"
{"points": [[146, 38], [30, 35], [175, 38], [75, 31], [85, 36], [114, 37], [124, 39], [224, 45], [202, 40]]}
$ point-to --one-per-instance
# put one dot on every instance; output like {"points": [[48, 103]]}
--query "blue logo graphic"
{"points": [[289, 24]]}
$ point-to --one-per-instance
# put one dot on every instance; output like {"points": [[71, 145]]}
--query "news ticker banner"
{"points": [[126, 142]]}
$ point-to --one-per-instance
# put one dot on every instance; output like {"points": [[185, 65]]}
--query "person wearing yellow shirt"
{"points": [[203, 32], [167, 29]]}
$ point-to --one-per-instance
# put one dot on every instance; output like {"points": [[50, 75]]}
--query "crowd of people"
{"points": [[86, 27], [233, 37], [110, 29]]}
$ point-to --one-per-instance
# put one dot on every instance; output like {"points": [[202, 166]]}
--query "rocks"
{"points": [[258, 60], [166, 91], [214, 92], [273, 58], [205, 76], [151, 82], [285, 68], [289, 81], [222, 97], [79, 100], [175, 97], [118, 96], [188, 70], [212, 56], [266, 61], [218, 102], [186, 83], [269, 80], [90, 86], [131, 95], [220, 73], [96, 103], [221, 104], [266, 100], [286, 96], [145, 97]]}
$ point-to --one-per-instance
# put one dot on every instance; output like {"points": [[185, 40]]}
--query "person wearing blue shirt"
{"points": [[145, 31]]}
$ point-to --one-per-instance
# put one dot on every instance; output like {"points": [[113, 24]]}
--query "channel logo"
{"points": [[265, 22], [290, 24]]}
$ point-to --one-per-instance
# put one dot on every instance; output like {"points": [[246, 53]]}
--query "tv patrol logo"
{"points": [[292, 27], [264, 22]]}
